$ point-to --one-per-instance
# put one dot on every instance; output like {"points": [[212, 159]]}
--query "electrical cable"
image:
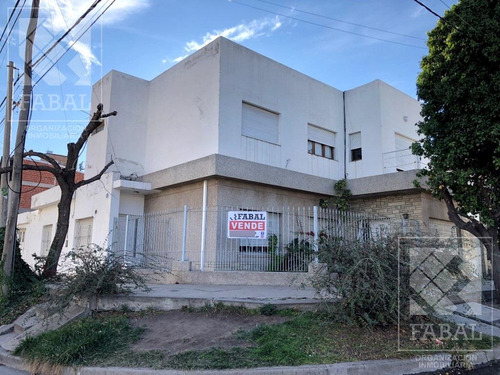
{"points": [[10, 18], [436, 14], [44, 55], [329, 27], [12, 27], [339, 20], [73, 43]]}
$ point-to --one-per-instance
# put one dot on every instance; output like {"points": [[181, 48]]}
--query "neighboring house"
{"points": [[35, 182], [227, 127]]}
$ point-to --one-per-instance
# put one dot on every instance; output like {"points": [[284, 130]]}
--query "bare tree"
{"points": [[65, 176]]}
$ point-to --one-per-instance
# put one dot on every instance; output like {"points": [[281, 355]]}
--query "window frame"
{"points": [[356, 154], [273, 137], [315, 144]]}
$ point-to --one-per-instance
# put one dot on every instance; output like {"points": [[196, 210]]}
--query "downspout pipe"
{"points": [[204, 226], [345, 136]]}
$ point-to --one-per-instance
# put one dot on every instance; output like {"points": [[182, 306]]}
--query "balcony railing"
{"points": [[402, 160]]}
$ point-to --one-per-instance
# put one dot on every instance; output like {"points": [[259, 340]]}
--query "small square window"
{"points": [[356, 154]]}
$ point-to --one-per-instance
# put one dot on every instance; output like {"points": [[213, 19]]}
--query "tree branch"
{"points": [[41, 168], [96, 177], [94, 123], [45, 157], [472, 226], [27, 167], [5, 170]]}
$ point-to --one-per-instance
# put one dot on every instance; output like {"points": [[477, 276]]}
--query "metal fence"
{"points": [[200, 237]]}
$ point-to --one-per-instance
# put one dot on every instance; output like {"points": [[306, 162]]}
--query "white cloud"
{"points": [[417, 12], [238, 33], [86, 54], [59, 15]]}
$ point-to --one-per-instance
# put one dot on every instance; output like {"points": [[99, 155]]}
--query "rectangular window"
{"points": [[320, 142], [21, 235], [83, 232], [259, 123], [46, 240], [355, 146]]}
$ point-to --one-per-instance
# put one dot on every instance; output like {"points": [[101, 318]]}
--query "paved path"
{"points": [[175, 296], [10, 371]]}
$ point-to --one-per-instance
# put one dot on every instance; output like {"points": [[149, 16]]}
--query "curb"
{"points": [[374, 367]]}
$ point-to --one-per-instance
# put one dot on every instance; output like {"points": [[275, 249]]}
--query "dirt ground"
{"points": [[178, 331]]}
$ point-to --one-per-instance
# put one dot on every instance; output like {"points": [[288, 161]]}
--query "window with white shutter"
{"points": [[259, 123], [355, 146], [320, 142]]}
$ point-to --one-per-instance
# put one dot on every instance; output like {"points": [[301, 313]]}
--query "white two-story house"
{"points": [[228, 127]]}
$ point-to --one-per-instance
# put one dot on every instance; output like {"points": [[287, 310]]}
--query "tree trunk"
{"points": [[63, 210], [493, 248]]}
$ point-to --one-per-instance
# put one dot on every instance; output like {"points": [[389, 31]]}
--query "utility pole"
{"points": [[17, 167], [6, 144]]}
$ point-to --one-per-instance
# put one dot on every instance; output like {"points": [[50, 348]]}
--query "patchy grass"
{"points": [[306, 338], [80, 343], [221, 308], [20, 303]]}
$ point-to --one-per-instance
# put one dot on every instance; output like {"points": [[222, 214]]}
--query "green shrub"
{"points": [[364, 274], [23, 277], [94, 272], [372, 276]]}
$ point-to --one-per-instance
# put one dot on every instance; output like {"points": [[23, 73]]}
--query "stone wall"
{"points": [[391, 206], [426, 213]]}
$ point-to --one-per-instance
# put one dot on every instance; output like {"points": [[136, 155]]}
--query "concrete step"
{"points": [[21, 326], [26, 320], [6, 328], [73, 312], [475, 326]]}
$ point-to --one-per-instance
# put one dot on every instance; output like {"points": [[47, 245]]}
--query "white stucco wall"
{"points": [[97, 200], [33, 222], [379, 112], [249, 77], [183, 111], [123, 138]]}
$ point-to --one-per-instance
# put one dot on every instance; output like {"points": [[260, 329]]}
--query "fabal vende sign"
{"points": [[247, 224]]}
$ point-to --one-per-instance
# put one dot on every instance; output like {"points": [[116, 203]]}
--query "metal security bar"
{"points": [[200, 236]]}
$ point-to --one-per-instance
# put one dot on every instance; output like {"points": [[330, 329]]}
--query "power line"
{"points": [[447, 21], [10, 18], [446, 5], [436, 14], [12, 27], [74, 42], [90, 9], [339, 20], [329, 27], [70, 45]]}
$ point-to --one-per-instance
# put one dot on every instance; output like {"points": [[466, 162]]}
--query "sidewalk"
{"points": [[176, 296]]}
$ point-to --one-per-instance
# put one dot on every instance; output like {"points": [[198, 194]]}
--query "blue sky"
{"points": [[146, 37]]}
